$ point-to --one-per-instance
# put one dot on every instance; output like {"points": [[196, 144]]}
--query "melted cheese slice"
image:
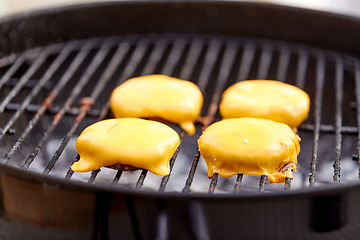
{"points": [[266, 99], [172, 99], [250, 146], [136, 142]]}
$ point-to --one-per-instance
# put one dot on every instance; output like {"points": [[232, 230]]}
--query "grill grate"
{"points": [[92, 68]]}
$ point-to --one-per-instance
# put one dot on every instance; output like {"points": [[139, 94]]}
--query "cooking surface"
{"points": [[41, 130]]}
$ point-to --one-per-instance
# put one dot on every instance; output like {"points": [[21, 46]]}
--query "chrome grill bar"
{"points": [[237, 186], [156, 55], [20, 61], [246, 61], [265, 60], [192, 58], [339, 86], [209, 64], [301, 68], [174, 56], [284, 61], [320, 78], [165, 179], [263, 180]]}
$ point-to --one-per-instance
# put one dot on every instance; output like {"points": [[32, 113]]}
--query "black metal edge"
{"points": [[262, 20], [39, 178]]}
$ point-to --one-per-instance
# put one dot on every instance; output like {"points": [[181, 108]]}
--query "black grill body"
{"points": [[52, 59]]}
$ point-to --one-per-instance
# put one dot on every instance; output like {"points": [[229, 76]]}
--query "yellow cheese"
{"points": [[169, 98], [250, 146], [266, 99], [136, 142]]}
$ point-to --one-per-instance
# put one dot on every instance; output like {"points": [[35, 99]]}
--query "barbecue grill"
{"points": [[56, 76]]}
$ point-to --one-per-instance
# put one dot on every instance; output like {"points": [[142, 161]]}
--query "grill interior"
{"points": [[41, 117]]}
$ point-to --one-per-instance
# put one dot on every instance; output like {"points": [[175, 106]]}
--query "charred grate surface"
{"points": [[49, 95]]}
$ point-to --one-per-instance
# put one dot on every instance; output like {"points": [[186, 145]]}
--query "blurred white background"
{"points": [[350, 7], [13, 6]]}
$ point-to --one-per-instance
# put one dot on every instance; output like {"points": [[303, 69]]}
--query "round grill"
{"points": [[52, 60]]}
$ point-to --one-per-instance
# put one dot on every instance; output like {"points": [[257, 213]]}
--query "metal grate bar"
{"points": [[47, 102], [95, 63], [116, 59], [329, 128], [210, 60], [357, 94], [18, 63], [36, 65], [281, 76], [70, 172], [263, 71], [33, 108], [175, 54], [263, 180], [136, 57], [213, 183], [339, 82], [301, 68], [265, 60], [93, 176], [29, 84], [73, 111], [8, 60], [165, 179], [246, 61], [142, 177], [117, 178], [155, 57], [11, 131], [225, 70], [237, 186], [284, 61], [287, 185], [192, 58], [190, 178], [320, 77]]}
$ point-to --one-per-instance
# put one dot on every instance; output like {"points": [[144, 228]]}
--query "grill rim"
{"points": [[29, 176], [331, 19], [20, 173]]}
